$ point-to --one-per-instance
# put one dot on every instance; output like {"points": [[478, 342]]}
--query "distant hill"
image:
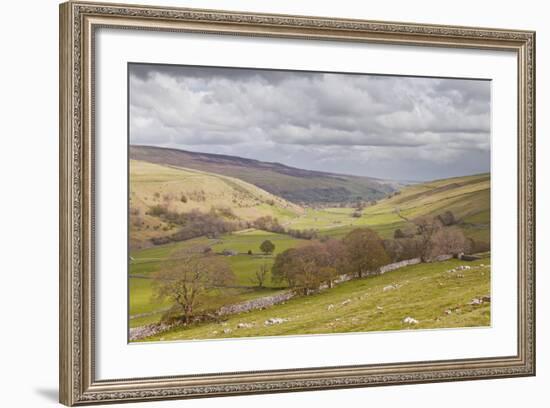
{"points": [[296, 185]]}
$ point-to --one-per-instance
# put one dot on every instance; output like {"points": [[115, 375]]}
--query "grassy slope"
{"points": [[152, 184], [427, 291], [467, 197], [294, 184], [148, 261]]}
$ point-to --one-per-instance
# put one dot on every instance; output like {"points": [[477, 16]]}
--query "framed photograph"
{"points": [[256, 203]]}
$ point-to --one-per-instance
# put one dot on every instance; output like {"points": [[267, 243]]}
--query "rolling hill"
{"points": [[182, 190], [292, 184], [468, 198]]}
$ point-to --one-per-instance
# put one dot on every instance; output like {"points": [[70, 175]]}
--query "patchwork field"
{"points": [[145, 262], [467, 197], [425, 291], [432, 294]]}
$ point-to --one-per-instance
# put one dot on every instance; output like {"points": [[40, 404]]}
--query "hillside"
{"points": [[293, 184], [467, 197], [182, 190], [435, 295], [147, 261]]}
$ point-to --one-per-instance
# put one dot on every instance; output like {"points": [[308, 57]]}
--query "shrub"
{"points": [[474, 246], [157, 210], [193, 224], [224, 212], [268, 223], [398, 234], [135, 217], [447, 218], [160, 240]]}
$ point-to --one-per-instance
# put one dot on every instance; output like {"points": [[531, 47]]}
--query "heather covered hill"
{"points": [[293, 184]]}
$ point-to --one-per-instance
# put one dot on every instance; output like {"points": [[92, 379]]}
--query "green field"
{"points": [[147, 261], [467, 197], [429, 293], [153, 184]]}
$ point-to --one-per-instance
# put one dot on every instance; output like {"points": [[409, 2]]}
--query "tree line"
{"points": [[195, 281], [362, 253], [217, 221]]}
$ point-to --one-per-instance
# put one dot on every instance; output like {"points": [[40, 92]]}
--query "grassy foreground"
{"points": [[146, 309], [429, 293]]}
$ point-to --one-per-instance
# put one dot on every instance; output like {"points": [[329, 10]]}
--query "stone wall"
{"points": [[137, 333], [400, 264], [268, 301], [259, 303], [440, 258]]}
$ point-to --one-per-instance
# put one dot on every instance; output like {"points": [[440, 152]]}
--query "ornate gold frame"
{"points": [[78, 22]]}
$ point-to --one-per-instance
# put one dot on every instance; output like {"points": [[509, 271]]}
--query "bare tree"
{"points": [[448, 241], [427, 227], [191, 280], [447, 218], [365, 252], [260, 276]]}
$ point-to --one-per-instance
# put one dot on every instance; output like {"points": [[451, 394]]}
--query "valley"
{"points": [[225, 208]]}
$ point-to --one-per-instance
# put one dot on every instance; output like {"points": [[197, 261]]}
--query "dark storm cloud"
{"points": [[383, 126]]}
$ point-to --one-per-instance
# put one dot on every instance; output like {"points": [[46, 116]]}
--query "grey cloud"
{"points": [[383, 126]]}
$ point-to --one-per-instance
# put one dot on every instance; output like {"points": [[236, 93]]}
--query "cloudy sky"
{"points": [[400, 128]]}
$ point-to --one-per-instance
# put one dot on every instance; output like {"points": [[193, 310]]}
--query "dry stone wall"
{"points": [[268, 301], [400, 264], [259, 303]]}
